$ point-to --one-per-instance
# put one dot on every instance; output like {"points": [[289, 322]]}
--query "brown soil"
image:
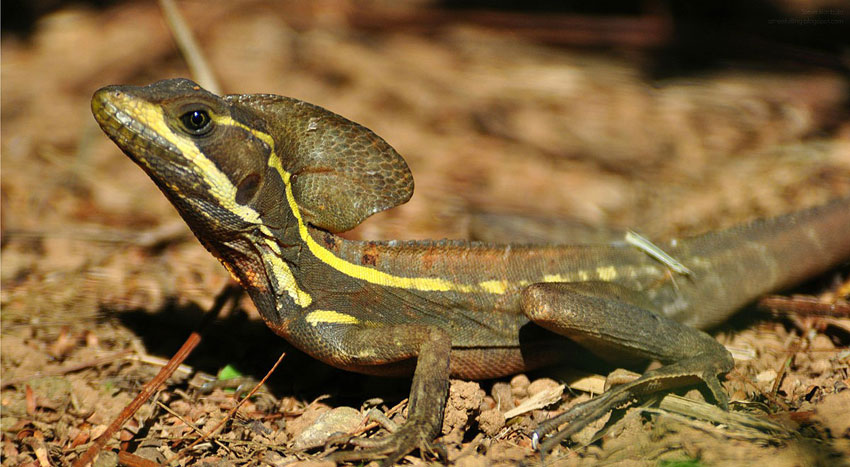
{"points": [[100, 277]]}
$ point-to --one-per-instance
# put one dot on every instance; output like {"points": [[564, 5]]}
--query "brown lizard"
{"points": [[266, 183]]}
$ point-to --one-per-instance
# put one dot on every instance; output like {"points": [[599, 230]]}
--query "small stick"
{"points": [[643, 244], [229, 291], [198, 66], [191, 425], [229, 414], [132, 460], [786, 362], [806, 306]]}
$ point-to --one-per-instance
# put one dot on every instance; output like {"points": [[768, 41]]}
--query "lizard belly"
{"points": [[543, 349]]}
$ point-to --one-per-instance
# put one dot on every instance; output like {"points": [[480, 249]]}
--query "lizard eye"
{"points": [[247, 188], [196, 122]]}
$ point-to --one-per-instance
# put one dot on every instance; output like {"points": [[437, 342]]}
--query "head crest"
{"points": [[341, 172]]}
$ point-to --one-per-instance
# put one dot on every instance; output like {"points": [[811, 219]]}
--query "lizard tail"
{"points": [[750, 260]]}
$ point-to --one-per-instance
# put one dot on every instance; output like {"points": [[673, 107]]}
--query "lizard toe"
{"points": [[388, 449]]}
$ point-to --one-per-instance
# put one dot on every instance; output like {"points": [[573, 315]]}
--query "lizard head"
{"points": [[233, 163]]}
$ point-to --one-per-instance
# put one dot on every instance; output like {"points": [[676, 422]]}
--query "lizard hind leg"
{"points": [[432, 349], [620, 325]]}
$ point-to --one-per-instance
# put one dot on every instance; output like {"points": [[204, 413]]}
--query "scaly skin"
{"points": [[266, 183]]}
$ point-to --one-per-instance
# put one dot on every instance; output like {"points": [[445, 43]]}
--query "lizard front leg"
{"points": [[381, 345], [619, 324]]}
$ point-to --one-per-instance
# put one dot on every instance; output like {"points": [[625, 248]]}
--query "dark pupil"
{"points": [[196, 120]]}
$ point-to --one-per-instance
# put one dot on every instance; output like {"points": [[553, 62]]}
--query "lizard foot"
{"points": [[676, 374], [391, 448]]}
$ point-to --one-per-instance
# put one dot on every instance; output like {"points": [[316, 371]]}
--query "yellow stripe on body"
{"points": [[606, 273], [357, 271], [374, 276], [501, 287], [284, 277], [494, 286], [329, 317]]}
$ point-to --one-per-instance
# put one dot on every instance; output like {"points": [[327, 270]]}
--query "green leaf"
{"points": [[228, 372]]}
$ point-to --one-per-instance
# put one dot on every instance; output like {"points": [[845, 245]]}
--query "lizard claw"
{"points": [[389, 449]]}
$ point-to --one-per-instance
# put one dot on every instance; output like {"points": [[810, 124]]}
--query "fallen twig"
{"points": [[230, 291], [230, 414]]}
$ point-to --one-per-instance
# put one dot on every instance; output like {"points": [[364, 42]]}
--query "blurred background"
{"points": [[667, 117]]}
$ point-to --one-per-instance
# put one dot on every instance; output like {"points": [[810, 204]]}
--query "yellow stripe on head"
{"points": [[153, 117], [225, 120]]}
